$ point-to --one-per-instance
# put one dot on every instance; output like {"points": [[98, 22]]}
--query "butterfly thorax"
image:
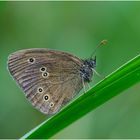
{"points": [[87, 69]]}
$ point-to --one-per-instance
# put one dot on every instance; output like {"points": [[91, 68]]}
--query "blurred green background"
{"points": [[74, 27]]}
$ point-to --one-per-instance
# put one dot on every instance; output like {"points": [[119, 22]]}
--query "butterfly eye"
{"points": [[45, 74], [51, 104], [31, 60], [40, 89], [42, 69], [46, 97]]}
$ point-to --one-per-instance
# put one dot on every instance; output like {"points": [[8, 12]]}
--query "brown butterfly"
{"points": [[50, 78]]}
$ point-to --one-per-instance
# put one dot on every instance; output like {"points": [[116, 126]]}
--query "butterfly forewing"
{"points": [[48, 78]]}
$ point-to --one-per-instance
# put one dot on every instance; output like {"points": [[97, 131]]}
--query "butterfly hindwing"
{"points": [[48, 78]]}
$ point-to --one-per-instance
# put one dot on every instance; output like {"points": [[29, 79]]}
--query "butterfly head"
{"points": [[91, 63], [87, 69]]}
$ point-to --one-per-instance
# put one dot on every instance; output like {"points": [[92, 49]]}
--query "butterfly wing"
{"points": [[48, 78]]}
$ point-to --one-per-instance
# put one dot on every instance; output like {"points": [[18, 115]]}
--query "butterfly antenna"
{"points": [[103, 42]]}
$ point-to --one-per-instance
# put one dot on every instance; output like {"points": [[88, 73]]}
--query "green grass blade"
{"points": [[112, 85]]}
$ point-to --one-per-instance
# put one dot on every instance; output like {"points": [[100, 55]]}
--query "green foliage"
{"points": [[110, 86]]}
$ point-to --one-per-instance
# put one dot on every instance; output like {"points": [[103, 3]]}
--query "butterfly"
{"points": [[50, 78]]}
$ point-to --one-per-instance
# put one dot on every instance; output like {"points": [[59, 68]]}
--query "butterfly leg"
{"points": [[88, 85], [98, 73], [83, 85]]}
